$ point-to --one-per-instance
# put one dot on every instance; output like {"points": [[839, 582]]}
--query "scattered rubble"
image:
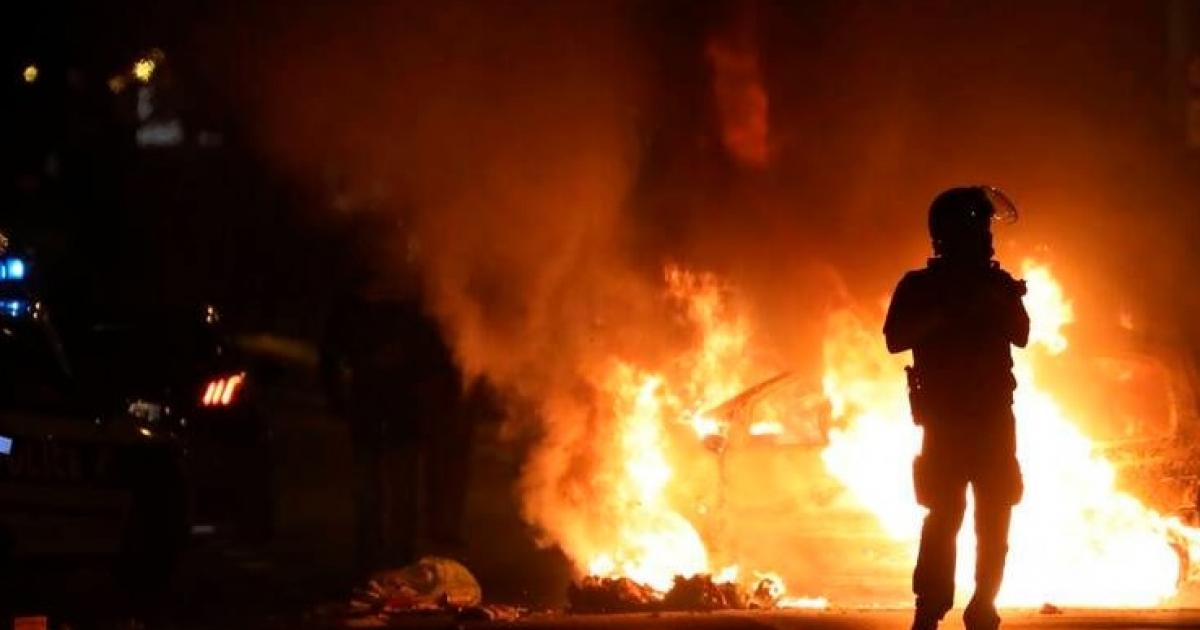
{"points": [[438, 587], [696, 593], [699, 592], [603, 595], [492, 612], [766, 593], [431, 585]]}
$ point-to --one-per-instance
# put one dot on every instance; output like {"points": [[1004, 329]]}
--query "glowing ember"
{"points": [[766, 427], [705, 426], [813, 603]]}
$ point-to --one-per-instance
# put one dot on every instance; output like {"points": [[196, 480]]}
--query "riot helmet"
{"points": [[960, 221]]}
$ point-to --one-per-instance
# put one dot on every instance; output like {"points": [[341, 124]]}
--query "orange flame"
{"points": [[651, 515]]}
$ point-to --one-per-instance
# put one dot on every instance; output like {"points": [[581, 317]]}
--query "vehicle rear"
{"points": [[186, 359]]}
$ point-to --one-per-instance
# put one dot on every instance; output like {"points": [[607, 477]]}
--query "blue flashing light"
{"points": [[12, 269], [5, 445], [15, 268], [13, 308]]}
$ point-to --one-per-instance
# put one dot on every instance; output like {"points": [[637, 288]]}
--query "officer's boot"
{"points": [[925, 619], [981, 616]]}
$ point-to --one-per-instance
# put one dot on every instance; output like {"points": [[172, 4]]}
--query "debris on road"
{"points": [[492, 612], [700, 592], [696, 593], [602, 595], [767, 592], [431, 590], [430, 585], [1050, 609]]}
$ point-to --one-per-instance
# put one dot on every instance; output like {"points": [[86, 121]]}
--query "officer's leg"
{"points": [[991, 547], [933, 579], [995, 494]]}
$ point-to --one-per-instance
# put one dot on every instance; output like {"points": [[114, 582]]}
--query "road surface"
{"points": [[826, 620]]}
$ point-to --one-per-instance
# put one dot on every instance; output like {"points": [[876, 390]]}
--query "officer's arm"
{"points": [[908, 320], [1006, 300], [1018, 323]]}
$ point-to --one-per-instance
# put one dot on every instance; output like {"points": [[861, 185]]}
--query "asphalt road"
{"points": [[810, 620]]}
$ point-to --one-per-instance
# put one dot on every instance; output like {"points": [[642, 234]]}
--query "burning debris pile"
{"points": [[700, 592], [694, 593], [608, 594]]}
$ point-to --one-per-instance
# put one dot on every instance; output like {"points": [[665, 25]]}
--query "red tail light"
{"points": [[222, 391]]}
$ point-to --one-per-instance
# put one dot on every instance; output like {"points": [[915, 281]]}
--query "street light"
{"points": [[30, 73], [143, 68]]}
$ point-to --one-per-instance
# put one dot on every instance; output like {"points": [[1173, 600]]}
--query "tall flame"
{"points": [[654, 540]]}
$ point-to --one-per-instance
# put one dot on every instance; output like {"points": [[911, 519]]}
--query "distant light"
{"points": [[12, 308], [5, 445], [143, 69], [30, 73], [145, 432], [14, 269], [117, 84]]}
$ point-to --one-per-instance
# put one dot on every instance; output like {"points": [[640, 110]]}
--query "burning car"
{"points": [[185, 360]]}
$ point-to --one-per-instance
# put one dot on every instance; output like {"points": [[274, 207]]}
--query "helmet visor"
{"points": [[1004, 210]]}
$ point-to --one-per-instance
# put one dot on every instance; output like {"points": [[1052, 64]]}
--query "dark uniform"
{"points": [[959, 317]]}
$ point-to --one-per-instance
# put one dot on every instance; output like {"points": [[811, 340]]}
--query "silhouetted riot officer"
{"points": [[959, 315]]}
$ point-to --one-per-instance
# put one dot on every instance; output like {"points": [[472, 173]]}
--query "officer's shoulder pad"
{"points": [[913, 280]]}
